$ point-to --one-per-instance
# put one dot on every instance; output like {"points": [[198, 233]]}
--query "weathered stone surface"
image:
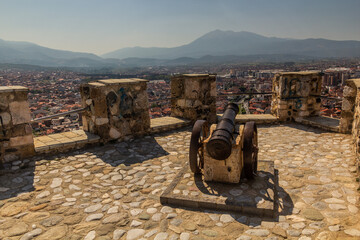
{"points": [[93, 217], [31, 234], [210, 233], [21, 140], [57, 232], [353, 232], [114, 134], [15, 115], [349, 91], [90, 236], [20, 112], [134, 234], [312, 214], [293, 98], [118, 108], [11, 209], [6, 118], [56, 182], [115, 218], [72, 220], [93, 208], [51, 221], [17, 229], [118, 233], [258, 232], [84, 178], [193, 97], [279, 231]]}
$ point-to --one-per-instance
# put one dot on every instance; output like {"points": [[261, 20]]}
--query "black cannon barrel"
{"points": [[220, 144]]}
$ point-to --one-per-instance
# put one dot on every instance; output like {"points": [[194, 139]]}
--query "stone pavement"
{"points": [[112, 192], [65, 140]]}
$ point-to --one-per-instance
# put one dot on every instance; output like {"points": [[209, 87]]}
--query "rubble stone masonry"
{"points": [[348, 106], [296, 95], [350, 115], [16, 139], [118, 108], [193, 96]]}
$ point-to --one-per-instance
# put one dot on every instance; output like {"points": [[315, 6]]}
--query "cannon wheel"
{"points": [[196, 154], [250, 150]]}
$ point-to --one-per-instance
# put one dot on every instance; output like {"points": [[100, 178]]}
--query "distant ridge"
{"points": [[222, 43], [30, 53], [214, 47]]}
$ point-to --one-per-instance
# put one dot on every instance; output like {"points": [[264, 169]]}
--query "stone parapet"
{"points": [[348, 112], [193, 97], [350, 115], [16, 139], [118, 108], [296, 95]]}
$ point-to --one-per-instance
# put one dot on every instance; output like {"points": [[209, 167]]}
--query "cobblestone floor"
{"points": [[112, 192]]}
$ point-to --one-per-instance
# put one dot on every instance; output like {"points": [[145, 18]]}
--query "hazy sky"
{"points": [[100, 26]]}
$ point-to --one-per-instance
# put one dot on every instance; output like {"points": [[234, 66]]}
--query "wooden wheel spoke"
{"points": [[250, 150], [196, 153]]}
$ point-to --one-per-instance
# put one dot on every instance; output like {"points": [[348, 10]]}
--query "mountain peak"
{"points": [[221, 43]]}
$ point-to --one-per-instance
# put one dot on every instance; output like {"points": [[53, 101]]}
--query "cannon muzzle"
{"points": [[220, 144]]}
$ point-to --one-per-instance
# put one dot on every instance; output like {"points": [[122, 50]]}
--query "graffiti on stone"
{"points": [[126, 103], [111, 98], [298, 104]]}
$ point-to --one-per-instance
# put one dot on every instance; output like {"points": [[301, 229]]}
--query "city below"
{"points": [[250, 86]]}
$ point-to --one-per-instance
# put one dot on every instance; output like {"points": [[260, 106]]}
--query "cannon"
{"points": [[224, 152]]}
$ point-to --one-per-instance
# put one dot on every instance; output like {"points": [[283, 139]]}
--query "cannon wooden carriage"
{"points": [[226, 151]]}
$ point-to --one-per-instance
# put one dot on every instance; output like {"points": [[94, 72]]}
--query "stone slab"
{"points": [[356, 81], [256, 197], [300, 73], [322, 122], [57, 141], [124, 80], [13, 88], [198, 75], [164, 124], [257, 118]]}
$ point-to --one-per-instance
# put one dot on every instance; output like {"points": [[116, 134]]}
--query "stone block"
{"points": [[26, 151], [11, 157], [282, 114], [181, 103], [119, 108], [304, 107], [4, 103], [297, 92], [349, 91], [15, 118], [101, 121], [6, 118], [213, 89], [304, 114], [20, 130], [347, 104], [192, 89], [193, 96], [141, 102], [20, 112], [114, 134]]}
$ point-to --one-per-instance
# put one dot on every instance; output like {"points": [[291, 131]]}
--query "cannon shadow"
{"points": [[248, 202], [256, 206], [15, 182]]}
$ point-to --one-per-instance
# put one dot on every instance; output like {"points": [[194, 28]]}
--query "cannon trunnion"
{"points": [[224, 152]]}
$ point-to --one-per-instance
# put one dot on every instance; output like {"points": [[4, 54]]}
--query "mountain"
{"points": [[29, 53], [223, 43], [212, 48]]}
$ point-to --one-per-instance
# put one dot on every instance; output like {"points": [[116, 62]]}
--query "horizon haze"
{"points": [[101, 27]]}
